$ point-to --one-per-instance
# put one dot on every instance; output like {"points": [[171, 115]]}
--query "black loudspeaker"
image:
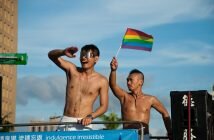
{"points": [[201, 110]]}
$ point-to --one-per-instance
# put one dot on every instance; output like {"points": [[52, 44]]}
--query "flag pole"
{"points": [[118, 51]]}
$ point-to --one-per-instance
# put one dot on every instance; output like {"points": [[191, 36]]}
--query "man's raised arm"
{"points": [[118, 92], [55, 56]]}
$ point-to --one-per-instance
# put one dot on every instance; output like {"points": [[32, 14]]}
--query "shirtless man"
{"points": [[83, 87], [136, 105]]}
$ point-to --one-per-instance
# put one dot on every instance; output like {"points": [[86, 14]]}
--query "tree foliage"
{"points": [[111, 117]]}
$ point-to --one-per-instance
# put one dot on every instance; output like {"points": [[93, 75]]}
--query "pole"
{"points": [[189, 117], [118, 51]]}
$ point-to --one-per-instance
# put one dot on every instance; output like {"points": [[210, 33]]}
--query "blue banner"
{"points": [[72, 135]]}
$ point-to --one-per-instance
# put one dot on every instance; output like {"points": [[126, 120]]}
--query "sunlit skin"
{"points": [[135, 104], [82, 87]]}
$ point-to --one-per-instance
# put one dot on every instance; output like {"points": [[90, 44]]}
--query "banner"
{"points": [[72, 135]]}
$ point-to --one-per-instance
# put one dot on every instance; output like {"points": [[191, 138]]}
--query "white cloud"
{"points": [[167, 10], [97, 22], [188, 53], [46, 90], [78, 26]]}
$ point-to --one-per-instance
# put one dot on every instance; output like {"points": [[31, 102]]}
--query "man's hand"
{"points": [[114, 64], [70, 52], [86, 121]]}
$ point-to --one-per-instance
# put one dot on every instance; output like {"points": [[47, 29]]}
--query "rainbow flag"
{"points": [[134, 39]]}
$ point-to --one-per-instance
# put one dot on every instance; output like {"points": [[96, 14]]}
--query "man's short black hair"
{"points": [[138, 72], [91, 47]]}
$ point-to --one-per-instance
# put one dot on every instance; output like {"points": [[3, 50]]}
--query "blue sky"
{"points": [[181, 59]]}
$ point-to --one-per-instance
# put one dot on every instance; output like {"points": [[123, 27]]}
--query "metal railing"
{"points": [[141, 132]]}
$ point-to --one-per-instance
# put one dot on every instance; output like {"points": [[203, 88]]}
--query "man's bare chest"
{"points": [[136, 105], [83, 85]]}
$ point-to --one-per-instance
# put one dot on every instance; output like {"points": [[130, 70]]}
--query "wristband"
{"points": [[90, 116]]}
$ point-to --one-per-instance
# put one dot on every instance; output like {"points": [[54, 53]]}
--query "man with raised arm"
{"points": [[84, 85], [136, 105]]}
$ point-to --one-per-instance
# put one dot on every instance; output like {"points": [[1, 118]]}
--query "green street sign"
{"points": [[13, 58]]}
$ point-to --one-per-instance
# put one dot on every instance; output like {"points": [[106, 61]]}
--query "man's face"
{"points": [[87, 59], [134, 81]]}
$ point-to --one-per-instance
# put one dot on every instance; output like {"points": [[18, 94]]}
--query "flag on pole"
{"points": [[134, 39]]}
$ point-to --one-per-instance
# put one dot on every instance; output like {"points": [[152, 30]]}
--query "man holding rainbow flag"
{"points": [[135, 104]]}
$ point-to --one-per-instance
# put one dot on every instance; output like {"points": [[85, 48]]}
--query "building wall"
{"points": [[8, 44]]}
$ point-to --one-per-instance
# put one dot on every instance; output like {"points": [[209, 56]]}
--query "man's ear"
{"points": [[141, 82], [96, 59]]}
